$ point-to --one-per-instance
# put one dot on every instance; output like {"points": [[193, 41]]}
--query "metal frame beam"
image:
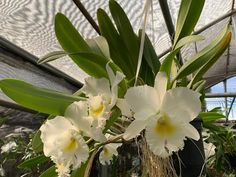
{"points": [[86, 14], [8, 46], [205, 27], [11, 105], [218, 95], [230, 108], [169, 24]]}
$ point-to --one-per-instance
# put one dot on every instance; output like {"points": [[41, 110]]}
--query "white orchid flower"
{"points": [[103, 88], [63, 144], [79, 114], [164, 114], [108, 151], [91, 115]]}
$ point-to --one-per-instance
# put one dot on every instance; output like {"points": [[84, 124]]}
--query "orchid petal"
{"points": [[124, 107], [143, 100], [94, 87], [107, 153], [160, 84], [181, 104], [134, 129], [114, 80], [50, 131], [77, 113]]}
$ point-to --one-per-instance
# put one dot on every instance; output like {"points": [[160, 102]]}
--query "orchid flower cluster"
{"points": [[128, 88], [163, 114]]}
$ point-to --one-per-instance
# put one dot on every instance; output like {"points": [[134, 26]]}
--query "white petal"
{"points": [[96, 134], [181, 104], [191, 132], [134, 129], [76, 110], [143, 99], [165, 145], [107, 153], [94, 87], [63, 143], [114, 80], [155, 142], [160, 84], [77, 113], [62, 170], [50, 131], [124, 107]]}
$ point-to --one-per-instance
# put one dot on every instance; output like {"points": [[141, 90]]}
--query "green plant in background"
{"points": [[125, 72], [222, 141], [15, 149]]}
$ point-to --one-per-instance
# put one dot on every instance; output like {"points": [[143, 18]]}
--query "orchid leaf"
{"points": [[52, 56], [125, 30], [150, 55], [189, 13], [196, 85], [74, 44], [201, 86], [167, 63], [187, 40], [69, 38], [50, 172], [39, 99], [213, 59], [206, 57], [91, 63], [118, 51], [30, 163]]}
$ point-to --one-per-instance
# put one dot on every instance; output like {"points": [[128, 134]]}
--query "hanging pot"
{"points": [[190, 160]]}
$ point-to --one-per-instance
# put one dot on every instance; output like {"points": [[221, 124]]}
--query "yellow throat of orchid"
{"points": [[106, 152], [164, 126], [96, 107], [71, 146]]}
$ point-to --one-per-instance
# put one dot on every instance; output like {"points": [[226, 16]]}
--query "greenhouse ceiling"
{"points": [[28, 24]]}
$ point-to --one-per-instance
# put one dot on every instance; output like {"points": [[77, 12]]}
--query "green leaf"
{"points": [[189, 13], [69, 38], [209, 54], [126, 32], [37, 143], [201, 87], [211, 116], [30, 163], [209, 125], [219, 50], [39, 99], [80, 52], [52, 56], [50, 172], [118, 51], [196, 85], [167, 63], [99, 45], [150, 55], [93, 64], [187, 40], [114, 116]]}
